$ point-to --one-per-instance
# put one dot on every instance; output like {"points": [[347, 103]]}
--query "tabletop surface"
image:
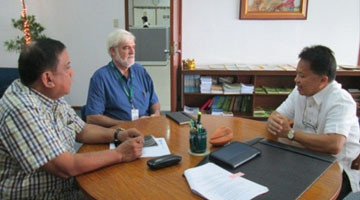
{"points": [[134, 180]]}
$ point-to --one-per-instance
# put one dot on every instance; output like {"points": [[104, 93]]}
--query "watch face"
{"points": [[291, 135]]}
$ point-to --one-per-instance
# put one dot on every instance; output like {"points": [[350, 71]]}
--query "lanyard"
{"points": [[122, 82]]}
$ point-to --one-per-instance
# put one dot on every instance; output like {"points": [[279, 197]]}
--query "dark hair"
{"points": [[322, 60], [145, 18], [38, 56]]}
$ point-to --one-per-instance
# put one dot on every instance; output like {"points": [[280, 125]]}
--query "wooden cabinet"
{"points": [[275, 79]]}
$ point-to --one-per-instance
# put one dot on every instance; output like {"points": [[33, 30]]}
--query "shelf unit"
{"points": [[278, 79]]}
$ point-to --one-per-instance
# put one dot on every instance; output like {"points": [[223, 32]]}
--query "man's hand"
{"points": [[130, 133], [278, 124], [275, 123], [130, 149]]}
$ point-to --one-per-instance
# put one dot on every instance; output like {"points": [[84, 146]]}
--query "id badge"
{"points": [[134, 114]]}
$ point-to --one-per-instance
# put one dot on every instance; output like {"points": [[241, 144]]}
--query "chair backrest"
{"points": [[7, 76]]}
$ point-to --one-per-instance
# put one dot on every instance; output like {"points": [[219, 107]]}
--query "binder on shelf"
{"points": [[234, 154], [206, 104]]}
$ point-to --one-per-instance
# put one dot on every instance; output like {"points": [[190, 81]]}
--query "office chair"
{"points": [[353, 196], [7, 76], [82, 113]]}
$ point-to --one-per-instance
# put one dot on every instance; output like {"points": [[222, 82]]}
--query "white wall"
{"points": [[212, 33], [82, 25]]}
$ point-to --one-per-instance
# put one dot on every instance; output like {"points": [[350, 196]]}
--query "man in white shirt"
{"points": [[324, 114]]}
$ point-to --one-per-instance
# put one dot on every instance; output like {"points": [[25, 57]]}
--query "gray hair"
{"points": [[118, 36]]}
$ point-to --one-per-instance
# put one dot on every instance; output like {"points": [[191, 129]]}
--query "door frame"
{"points": [[175, 50]]}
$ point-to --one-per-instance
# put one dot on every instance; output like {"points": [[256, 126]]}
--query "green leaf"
{"points": [[18, 43]]}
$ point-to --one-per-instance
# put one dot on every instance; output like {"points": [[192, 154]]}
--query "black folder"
{"points": [[180, 117], [234, 154]]}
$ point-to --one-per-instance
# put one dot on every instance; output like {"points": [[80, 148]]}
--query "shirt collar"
{"points": [[46, 101], [112, 64], [321, 95]]}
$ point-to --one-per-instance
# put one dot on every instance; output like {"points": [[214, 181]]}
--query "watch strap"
{"points": [[116, 134]]}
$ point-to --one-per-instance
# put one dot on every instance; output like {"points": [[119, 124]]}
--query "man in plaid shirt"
{"points": [[38, 130]]}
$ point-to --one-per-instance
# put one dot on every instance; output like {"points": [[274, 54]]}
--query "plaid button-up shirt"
{"points": [[34, 130]]}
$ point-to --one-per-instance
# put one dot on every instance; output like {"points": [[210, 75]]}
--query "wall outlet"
{"points": [[116, 23]]}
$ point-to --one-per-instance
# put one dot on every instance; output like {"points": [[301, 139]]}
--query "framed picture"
{"points": [[273, 9]]}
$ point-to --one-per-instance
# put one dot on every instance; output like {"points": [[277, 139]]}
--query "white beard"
{"points": [[124, 62]]}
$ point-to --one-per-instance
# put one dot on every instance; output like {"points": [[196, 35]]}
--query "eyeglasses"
{"points": [[306, 123]]}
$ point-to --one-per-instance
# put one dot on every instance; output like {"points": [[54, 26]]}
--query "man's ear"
{"points": [[113, 51], [324, 80], [47, 78]]}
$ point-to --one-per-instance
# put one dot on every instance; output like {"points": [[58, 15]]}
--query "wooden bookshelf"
{"points": [[271, 78]]}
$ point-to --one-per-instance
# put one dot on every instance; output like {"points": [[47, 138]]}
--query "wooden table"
{"points": [[134, 180]]}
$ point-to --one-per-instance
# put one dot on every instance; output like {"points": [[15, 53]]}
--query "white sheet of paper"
{"points": [[213, 182], [160, 150]]}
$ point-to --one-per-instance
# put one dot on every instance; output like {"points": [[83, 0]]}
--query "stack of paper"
{"points": [[205, 84], [233, 88], [216, 89], [213, 182], [247, 88], [191, 110], [243, 67]]}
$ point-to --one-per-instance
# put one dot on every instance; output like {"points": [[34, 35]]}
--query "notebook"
{"points": [[180, 117], [234, 154]]}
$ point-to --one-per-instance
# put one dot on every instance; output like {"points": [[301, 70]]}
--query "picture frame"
{"points": [[273, 9]]}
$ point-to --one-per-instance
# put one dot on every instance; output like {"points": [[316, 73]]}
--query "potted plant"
{"points": [[35, 31]]}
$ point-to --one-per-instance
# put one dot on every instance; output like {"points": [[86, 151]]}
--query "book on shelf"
{"points": [[210, 181], [217, 66], [243, 67], [228, 114], [246, 88], [191, 110], [287, 67], [284, 90], [205, 84], [255, 67], [349, 67], [270, 90], [226, 104], [231, 67], [354, 90], [260, 90], [191, 83], [234, 88], [216, 89], [206, 104], [271, 67], [233, 104], [205, 67], [226, 79], [260, 112]]}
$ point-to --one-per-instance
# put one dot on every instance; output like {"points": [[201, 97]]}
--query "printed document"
{"points": [[213, 182], [160, 149]]}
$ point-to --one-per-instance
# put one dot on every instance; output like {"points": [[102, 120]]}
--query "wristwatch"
{"points": [[291, 134], [116, 134]]}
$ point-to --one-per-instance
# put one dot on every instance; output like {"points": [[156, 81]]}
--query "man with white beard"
{"points": [[122, 90]]}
